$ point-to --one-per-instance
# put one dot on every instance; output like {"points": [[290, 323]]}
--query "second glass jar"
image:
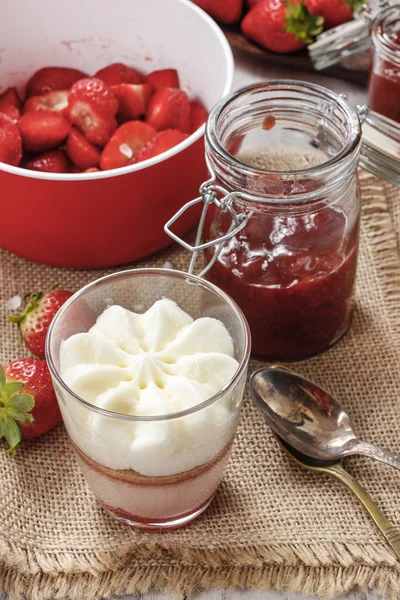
{"points": [[384, 79], [287, 155]]}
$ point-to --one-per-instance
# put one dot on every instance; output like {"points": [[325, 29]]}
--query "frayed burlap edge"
{"points": [[179, 579], [324, 570], [328, 554]]}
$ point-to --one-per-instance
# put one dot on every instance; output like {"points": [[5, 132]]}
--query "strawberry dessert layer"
{"points": [[150, 365], [157, 499]]}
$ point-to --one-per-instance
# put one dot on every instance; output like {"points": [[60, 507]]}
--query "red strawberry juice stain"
{"points": [[69, 44], [268, 122]]}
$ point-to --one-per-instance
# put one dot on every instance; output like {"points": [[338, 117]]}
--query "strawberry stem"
{"points": [[34, 298], [53, 287], [301, 23], [356, 5], [32, 304]]}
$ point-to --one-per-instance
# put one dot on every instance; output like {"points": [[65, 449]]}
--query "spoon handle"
{"points": [[389, 532], [385, 456]]}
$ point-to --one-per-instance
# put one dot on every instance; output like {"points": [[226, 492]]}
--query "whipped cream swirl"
{"points": [[151, 364]]}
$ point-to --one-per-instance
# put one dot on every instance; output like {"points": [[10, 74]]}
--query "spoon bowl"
{"points": [[308, 418], [303, 414]]}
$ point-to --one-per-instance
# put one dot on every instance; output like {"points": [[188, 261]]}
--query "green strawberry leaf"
{"points": [[21, 417], [11, 431], [14, 407], [2, 378], [356, 5], [21, 402], [301, 23], [11, 388]]}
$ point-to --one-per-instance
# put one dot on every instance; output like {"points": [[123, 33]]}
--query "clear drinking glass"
{"points": [[196, 465]]}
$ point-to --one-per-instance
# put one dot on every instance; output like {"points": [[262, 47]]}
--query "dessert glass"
{"points": [[157, 501]]}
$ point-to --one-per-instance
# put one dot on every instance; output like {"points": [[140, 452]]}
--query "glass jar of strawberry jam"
{"points": [[384, 80], [280, 222]]}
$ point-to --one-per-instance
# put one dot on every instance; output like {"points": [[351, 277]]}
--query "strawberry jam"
{"points": [[282, 209], [293, 277], [384, 94], [384, 81]]}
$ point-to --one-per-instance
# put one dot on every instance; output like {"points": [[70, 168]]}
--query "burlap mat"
{"points": [[393, 198], [271, 524]]}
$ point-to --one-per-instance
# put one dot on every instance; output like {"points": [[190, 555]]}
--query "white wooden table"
{"points": [[249, 71]]}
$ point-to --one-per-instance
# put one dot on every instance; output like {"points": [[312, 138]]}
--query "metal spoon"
{"points": [[308, 418], [334, 468]]}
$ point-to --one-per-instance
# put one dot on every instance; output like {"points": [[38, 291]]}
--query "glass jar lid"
{"points": [[380, 148], [338, 43]]}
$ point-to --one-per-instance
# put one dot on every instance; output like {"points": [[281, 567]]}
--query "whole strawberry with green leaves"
{"points": [[28, 403], [281, 26], [35, 319], [334, 12]]}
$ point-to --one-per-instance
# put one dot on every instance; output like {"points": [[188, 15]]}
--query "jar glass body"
{"points": [[289, 153], [384, 79]]}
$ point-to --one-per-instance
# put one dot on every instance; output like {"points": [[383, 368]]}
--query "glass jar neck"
{"points": [[283, 142], [386, 34]]}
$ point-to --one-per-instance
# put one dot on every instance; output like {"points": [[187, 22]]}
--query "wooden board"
{"points": [[354, 68]]}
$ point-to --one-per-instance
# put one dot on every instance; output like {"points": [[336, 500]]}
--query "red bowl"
{"points": [[111, 217]]}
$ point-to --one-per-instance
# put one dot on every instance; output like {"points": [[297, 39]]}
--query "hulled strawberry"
{"points": [[81, 152], [163, 78], [334, 12], [132, 99], [10, 98], [28, 404], [12, 113], [281, 26], [169, 108], [10, 141], [226, 11], [198, 115], [52, 161], [118, 73], [35, 320], [164, 140], [42, 130], [49, 79], [126, 142], [92, 108], [57, 100]]}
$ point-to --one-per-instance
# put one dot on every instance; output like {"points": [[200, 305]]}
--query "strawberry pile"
{"points": [[282, 25], [28, 403], [73, 123]]}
